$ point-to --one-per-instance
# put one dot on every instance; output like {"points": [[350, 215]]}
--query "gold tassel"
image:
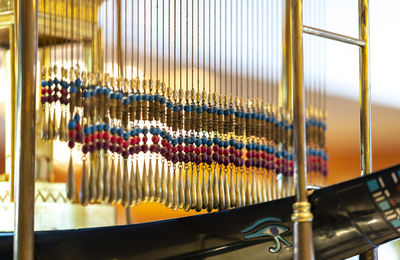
{"points": [[132, 187], [92, 181], [106, 178], [84, 194], [119, 181], [71, 185], [113, 183], [125, 182]]}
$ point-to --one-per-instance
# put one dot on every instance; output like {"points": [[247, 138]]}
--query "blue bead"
{"points": [[119, 96], [126, 136], [192, 140], [163, 100], [225, 144], [77, 118], [44, 83], [132, 132], [204, 107], [78, 82], [120, 131], [187, 140], [227, 112], [175, 108], [163, 134], [169, 104], [187, 108], [73, 90], [112, 130], [64, 84], [209, 142], [199, 110], [50, 83], [180, 140], [248, 146], [248, 115], [232, 142], [151, 98], [220, 111], [126, 101], [97, 90], [168, 137], [216, 140], [113, 95], [238, 113], [106, 91], [145, 97], [198, 142], [174, 141], [138, 131], [145, 131], [203, 140], [152, 130], [71, 124]]}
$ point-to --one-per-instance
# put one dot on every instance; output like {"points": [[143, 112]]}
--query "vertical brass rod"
{"points": [[25, 130], [119, 40], [13, 99], [365, 102], [302, 216], [287, 62]]}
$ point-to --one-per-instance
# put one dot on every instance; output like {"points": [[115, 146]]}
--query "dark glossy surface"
{"points": [[347, 221]]}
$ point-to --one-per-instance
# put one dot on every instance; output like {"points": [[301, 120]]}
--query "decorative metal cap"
{"points": [[302, 212]]}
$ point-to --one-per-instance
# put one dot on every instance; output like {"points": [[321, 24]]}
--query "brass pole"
{"points": [[287, 64], [365, 102], [25, 130], [302, 216], [13, 99]]}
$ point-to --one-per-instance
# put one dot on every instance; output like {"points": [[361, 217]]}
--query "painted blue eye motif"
{"points": [[272, 230]]}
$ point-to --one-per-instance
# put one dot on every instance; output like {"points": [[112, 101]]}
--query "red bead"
{"points": [[220, 151], [64, 92], [125, 144], [112, 139], [72, 134], [71, 144], [132, 141], [78, 127], [197, 150], [225, 152], [186, 149], [119, 140], [180, 148], [249, 154], [232, 150], [155, 148], [164, 142], [144, 139], [168, 146], [144, 148], [43, 91], [238, 153], [203, 149], [155, 139], [215, 148], [174, 149], [209, 151], [105, 135], [191, 148], [98, 135], [49, 91], [137, 140], [86, 139]]}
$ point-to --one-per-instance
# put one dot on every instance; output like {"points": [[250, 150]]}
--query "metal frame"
{"points": [[293, 77]]}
